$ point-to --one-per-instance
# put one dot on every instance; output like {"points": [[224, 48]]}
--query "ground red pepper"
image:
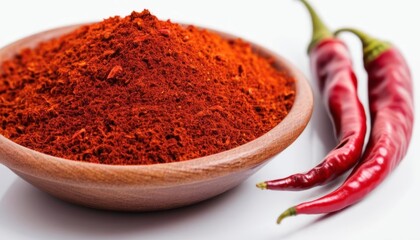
{"points": [[137, 90]]}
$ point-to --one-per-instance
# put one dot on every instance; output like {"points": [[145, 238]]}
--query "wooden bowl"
{"points": [[158, 186]]}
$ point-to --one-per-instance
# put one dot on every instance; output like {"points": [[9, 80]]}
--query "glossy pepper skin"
{"points": [[331, 65], [392, 117]]}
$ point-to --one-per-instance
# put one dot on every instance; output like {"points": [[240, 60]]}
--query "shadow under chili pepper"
{"points": [[304, 227], [322, 130], [25, 208]]}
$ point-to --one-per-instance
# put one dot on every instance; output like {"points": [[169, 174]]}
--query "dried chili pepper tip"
{"points": [[288, 213], [372, 47], [262, 185]]}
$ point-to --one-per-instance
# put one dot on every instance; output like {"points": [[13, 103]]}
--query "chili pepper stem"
{"points": [[372, 47], [289, 212], [262, 185], [319, 29]]}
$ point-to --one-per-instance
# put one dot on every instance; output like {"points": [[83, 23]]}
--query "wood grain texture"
{"points": [[159, 186]]}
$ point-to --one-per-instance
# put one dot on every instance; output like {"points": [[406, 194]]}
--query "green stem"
{"points": [[372, 47], [262, 185], [289, 212], [319, 29]]}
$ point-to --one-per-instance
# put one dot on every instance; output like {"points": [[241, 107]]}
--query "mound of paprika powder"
{"points": [[137, 90]]}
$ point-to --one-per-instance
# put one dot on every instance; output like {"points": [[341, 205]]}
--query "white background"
{"points": [[390, 212]]}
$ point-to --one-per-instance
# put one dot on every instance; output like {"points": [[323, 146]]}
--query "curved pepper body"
{"points": [[332, 68], [392, 118]]}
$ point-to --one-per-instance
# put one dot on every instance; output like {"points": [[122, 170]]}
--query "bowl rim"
{"points": [[244, 157]]}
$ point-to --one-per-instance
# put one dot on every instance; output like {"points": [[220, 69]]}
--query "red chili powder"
{"points": [[137, 90]]}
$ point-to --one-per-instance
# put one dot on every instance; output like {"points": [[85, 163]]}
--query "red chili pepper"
{"points": [[392, 116], [332, 66]]}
